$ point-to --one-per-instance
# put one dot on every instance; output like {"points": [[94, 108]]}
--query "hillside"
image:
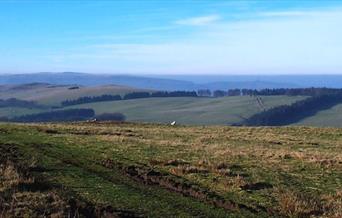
{"points": [[330, 117], [138, 170], [264, 105], [49, 94], [191, 111]]}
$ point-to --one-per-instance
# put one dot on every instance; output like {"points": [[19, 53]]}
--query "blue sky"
{"points": [[171, 37]]}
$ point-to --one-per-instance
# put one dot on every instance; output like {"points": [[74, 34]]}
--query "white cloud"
{"points": [[199, 21]]}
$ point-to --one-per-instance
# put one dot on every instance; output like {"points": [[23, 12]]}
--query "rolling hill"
{"points": [[331, 117], [143, 82], [189, 110], [49, 94], [184, 110]]}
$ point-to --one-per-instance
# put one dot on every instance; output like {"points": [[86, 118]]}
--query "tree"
{"points": [[204, 93], [234, 92], [219, 93]]}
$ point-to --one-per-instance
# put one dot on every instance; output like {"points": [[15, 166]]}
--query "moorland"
{"points": [[137, 170]]}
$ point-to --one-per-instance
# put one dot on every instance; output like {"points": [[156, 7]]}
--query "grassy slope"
{"points": [[53, 95], [16, 111], [187, 110], [331, 117], [301, 167]]}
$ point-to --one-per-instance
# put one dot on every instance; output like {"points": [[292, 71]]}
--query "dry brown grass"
{"points": [[224, 159], [294, 204], [9, 176], [333, 205], [35, 204], [17, 202]]}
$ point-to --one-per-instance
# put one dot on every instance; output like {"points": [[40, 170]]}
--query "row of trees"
{"points": [[199, 93], [218, 93], [111, 117], [287, 114], [280, 91], [296, 91], [133, 95], [87, 99], [174, 94]]}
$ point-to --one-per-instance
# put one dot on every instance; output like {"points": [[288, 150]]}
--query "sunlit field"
{"points": [[155, 170]]}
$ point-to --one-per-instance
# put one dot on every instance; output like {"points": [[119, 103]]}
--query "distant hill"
{"points": [[96, 80], [285, 81], [147, 82], [46, 93]]}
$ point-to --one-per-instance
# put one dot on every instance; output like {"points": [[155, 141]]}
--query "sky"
{"points": [[171, 36]]}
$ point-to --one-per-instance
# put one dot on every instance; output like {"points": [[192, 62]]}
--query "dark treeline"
{"points": [[294, 92], [219, 93], [84, 100], [13, 102], [174, 94], [263, 92], [111, 117], [133, 95], [287, 114], [204, 93], [55, 116]]}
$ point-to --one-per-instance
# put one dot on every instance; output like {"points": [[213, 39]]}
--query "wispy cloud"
{"points": [[199, 21], [309, 44], [289, 13]]}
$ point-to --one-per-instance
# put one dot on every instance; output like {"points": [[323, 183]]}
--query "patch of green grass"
{"points": [[53, 95], [331, 117], [11, 112]]}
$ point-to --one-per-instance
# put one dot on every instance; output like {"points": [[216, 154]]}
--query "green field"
{"points": [[189, 110], [54, 94], [183, 110], [331, 117], [11, 112], [138, 170]]}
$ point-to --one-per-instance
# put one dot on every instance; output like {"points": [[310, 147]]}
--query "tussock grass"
{"points": [[288, 171]]}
